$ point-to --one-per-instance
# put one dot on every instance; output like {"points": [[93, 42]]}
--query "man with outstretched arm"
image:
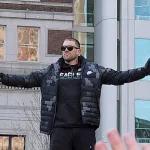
{"points": [[70, 90]]}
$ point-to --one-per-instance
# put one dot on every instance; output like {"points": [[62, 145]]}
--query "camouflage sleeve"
{"points": [[34, 79], [110, 76]]}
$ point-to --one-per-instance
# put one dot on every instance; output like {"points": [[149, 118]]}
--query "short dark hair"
{"points": [[77, 43]]}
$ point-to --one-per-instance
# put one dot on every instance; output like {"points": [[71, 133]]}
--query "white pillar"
{"points": [[106, 55], [127, 29]]}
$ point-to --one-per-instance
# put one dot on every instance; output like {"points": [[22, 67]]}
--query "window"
{"points": [[86, 40], [142, 121], [2, 32], [142, 9], [27, 44], [84, 13], [142, 53], [12, 142]]}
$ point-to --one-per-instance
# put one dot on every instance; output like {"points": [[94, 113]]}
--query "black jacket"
{"points": [[93, 76]]}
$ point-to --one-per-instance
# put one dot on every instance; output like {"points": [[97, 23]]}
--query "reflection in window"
{"points": [[142, 53], [142, 121], [12, 142], [87, 44], [1, 43], [142, 9], [84, 13], [27, 44]]}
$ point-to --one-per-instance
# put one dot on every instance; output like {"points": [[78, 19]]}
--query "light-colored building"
{"points": [[114, 34]]}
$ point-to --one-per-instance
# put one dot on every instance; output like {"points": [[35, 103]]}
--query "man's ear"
{"points": [[79, 52]]}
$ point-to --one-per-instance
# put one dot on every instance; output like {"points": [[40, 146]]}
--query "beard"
{"points": [[68, 60]]}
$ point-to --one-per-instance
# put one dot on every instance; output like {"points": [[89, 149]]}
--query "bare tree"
{"points": [[34, 139]]}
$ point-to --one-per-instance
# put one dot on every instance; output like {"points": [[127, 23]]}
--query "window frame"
{"points": [[90, 45], [29, 44], [136, 41], [4, 41], [139, 120], [10, 140], [78, 14]]}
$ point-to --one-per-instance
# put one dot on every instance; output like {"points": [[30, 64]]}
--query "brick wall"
{"points": [[35, 7], [55, 40]]}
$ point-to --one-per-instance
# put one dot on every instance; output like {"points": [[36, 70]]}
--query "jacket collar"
{"points": [[81, 60]]}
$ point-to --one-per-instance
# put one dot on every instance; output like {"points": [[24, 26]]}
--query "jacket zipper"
{"points": [[82, 70], [56, 103], [54, 109], [72, 70]]}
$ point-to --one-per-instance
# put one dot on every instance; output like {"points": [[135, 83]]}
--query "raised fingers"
{"points": [[100, 146], [115, 140], [146, 147], [131, 142]]}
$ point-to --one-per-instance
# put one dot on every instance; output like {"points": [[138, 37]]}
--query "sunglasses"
{"points": [[69, 48]]}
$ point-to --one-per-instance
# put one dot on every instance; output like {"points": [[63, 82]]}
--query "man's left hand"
{"points": [[147, 67]]}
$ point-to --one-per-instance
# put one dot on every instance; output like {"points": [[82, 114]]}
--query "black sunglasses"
{"points": [[69, 48]]}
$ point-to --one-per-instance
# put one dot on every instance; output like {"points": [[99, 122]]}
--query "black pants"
{"points": [[72, 139]]}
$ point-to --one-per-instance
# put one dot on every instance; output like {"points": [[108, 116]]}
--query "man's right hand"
{"points": [[1, 75], [117, 144]]}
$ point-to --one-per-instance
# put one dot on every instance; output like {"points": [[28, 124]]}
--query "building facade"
{"points": [[112, 33]]}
